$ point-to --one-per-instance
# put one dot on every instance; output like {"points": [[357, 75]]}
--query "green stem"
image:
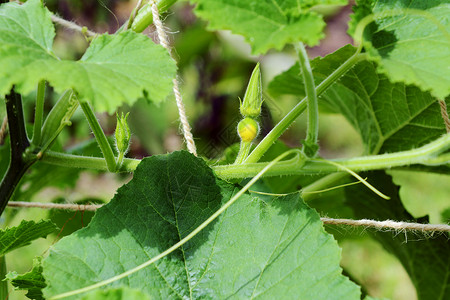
{"points": [[133, 14], [145, 17], [310, 145], [39, 113], [424, 155], [86, 162], [119, 160], [100, 136], [281, 127], [244, 150]]}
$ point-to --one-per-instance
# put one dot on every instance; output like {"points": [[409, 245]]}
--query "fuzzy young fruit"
{"points": [[248, 129]]}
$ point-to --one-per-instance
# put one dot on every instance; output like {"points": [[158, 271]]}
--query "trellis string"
{"points": [[163, 40], [387, 224], [3, 129], [444, 114]]}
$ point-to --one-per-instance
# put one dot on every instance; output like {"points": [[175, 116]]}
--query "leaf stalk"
{"points": [[99, 136], [310, 145], [429, 154], [39, 113]]}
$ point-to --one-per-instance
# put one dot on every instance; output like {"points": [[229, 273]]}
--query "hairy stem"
{"points": [[19, 144], [38, 113], [281, 127], [86, 162], [244, 150], [145, 17], [430, 154], [426, 155], [310, 146]]}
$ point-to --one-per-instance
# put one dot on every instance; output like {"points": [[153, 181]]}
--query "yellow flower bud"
{"points": [[248, 129]]}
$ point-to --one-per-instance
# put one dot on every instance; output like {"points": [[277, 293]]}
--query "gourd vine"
{"points": [[264, 204]]}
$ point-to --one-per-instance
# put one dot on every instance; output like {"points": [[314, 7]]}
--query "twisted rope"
{"points": [[65, 206], [3, 129], [444, 114], [163, 40], [388, 224]]}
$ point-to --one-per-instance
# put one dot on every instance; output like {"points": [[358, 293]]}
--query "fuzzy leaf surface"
{"points": [[411, 46], [115, 69], [255, 249], [389, 116], [266, 24], [426, 258], [22, 235]]}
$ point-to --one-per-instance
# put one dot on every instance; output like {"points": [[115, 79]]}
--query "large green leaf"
{"points": [[22, 235], [410, 46], [389, 117], [257, 248], [115, 69], [425, 258], [266, 24], [122, 293]]}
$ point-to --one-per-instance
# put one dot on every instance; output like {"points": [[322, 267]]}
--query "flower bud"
{"points": [[122, 134], [248, 129], [251, 106]]}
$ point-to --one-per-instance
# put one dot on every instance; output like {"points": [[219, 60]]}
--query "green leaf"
{"points": [[22, 235], [115, 69], [411, 46], [426, 258], [389, 117], [122, 293], [266, 24], [255, 249], [32, 281]]}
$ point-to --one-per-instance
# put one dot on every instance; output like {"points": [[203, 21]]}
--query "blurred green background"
{"points": [[214, 69]]}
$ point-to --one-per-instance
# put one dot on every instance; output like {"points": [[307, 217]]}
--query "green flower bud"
{"points": [[248, 129], [122, 134], [251, 106]]}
